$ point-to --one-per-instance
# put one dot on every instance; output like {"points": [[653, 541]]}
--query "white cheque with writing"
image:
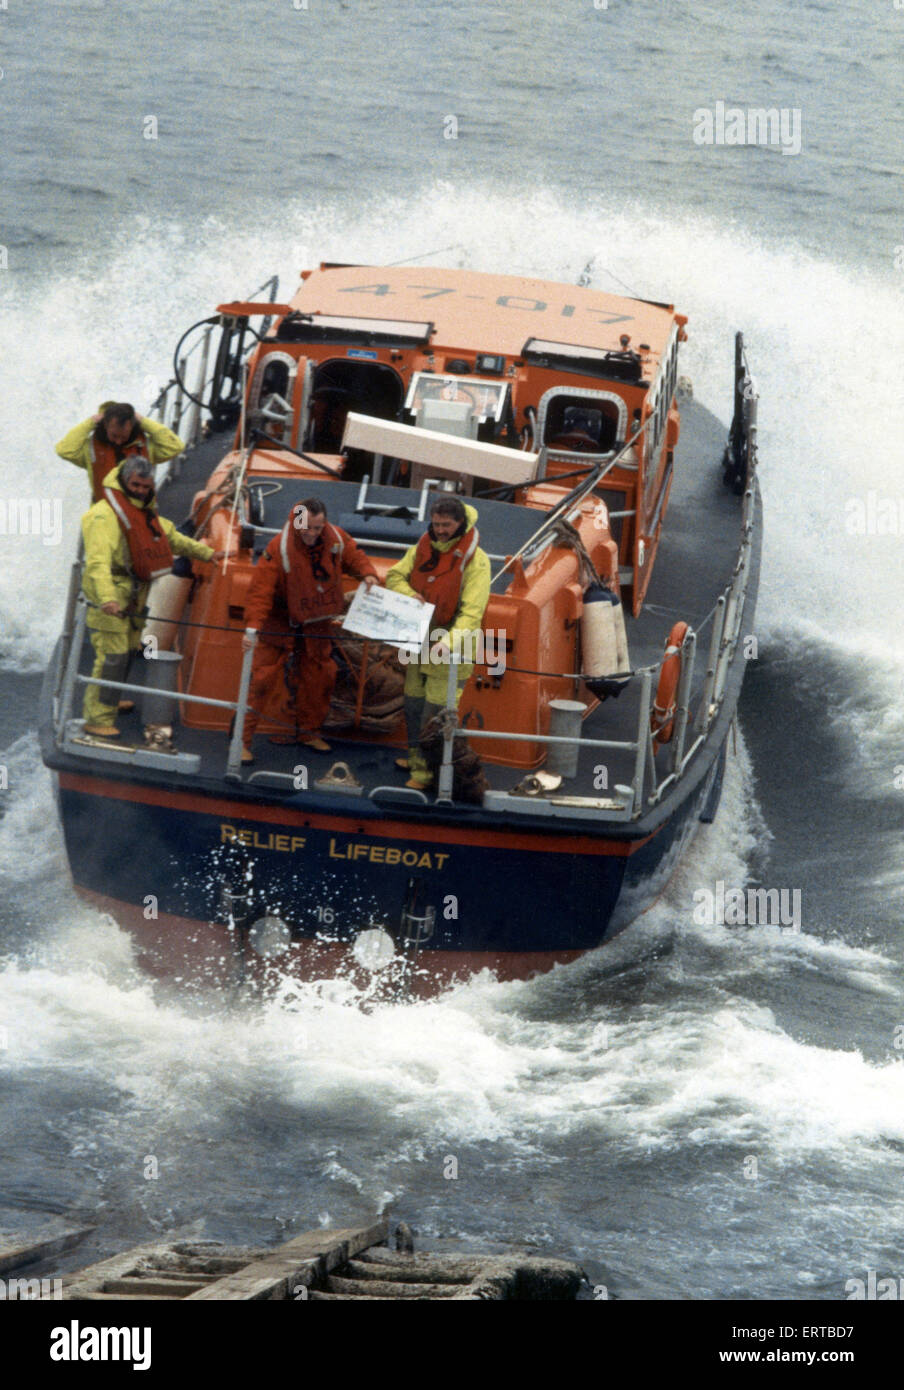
{"points": [[385, 616]]}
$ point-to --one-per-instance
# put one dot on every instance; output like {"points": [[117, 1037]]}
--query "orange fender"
{"points": [[662, 716]]}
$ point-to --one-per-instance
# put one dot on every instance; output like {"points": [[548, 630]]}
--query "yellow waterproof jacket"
{"points": [[77, 446], [475, 583], [107, 574]]}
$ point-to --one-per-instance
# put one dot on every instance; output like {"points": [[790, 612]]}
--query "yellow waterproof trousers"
{"points": [[426, 684], [113, 652]]}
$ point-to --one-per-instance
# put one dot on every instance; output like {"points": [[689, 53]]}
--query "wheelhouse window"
{"points": [[659, 404], [486, 399], [270, 399], [576, 424]]}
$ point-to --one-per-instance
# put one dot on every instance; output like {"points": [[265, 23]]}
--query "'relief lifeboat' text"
{"points": [[352, 849]]}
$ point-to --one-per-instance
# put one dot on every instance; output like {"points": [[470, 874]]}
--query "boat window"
{"points": [[448, 417], [486, 400], [275, 377], [270, 397], [577, 425], [659, 403]]}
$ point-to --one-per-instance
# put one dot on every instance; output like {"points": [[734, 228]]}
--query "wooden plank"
{"points": [[297, 1263], [382, 1288], [168, 1288], [403, 1270], [124, 1297], [165, 1259], [91, 1279], [203, 1266], [14, 1254]]}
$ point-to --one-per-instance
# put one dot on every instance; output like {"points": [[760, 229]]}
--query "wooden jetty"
{"points": [[318, 1266], [16, 1253]]}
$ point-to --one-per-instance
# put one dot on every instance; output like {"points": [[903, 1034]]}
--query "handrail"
{"points": [[573, 498], [71, 678], [729, 611], [641, 746]]}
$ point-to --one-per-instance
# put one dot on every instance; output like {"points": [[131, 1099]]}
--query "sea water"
{"points": [[698, 1110]]}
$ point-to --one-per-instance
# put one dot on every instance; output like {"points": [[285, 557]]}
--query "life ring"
{"points": [[662, 716]]}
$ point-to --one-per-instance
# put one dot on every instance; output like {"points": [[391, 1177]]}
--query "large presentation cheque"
{"points": [[385, 616]]}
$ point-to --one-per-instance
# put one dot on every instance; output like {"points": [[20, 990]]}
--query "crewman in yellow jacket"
{"points": [[127, 544], [114, 433], [448, 569]]}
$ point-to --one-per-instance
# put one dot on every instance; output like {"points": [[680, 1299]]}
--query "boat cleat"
{"points": [[537, 784], [339, 778], [159, 737]]}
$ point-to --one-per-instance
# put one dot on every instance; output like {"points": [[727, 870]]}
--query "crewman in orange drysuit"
{"points": [[296, 589]]}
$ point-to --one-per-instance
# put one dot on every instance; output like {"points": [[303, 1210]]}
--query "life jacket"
{"points": [[310, 596], [105, 456], [150, 551], [437, 574]]}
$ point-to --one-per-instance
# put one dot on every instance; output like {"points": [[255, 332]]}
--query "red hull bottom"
{"points": [[210, 954]]}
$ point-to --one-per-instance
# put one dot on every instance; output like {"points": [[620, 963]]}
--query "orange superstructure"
{"points": [[563, 372]]}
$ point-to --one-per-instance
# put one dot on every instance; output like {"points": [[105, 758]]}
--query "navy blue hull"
{"points": [[328, 876]]}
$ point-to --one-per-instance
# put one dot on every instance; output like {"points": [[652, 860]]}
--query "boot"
{"points": [[315, 741], [421, 775], [414, 718]]}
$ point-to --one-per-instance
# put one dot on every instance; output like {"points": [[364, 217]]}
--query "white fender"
{"points": [[604, 642], [599, 638], [167, 597], [623, 660]]}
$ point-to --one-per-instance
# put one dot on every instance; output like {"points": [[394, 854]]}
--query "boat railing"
{"points": [[647, 784], [628, 802], [70, 737], [174, 406], [66, 733], [727, 616], [646, 787]]}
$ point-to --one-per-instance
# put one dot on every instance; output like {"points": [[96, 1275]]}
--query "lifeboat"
{"points": [[578, 761]]}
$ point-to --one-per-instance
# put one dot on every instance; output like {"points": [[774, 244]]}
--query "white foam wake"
{"points": [[700, 1061]]}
